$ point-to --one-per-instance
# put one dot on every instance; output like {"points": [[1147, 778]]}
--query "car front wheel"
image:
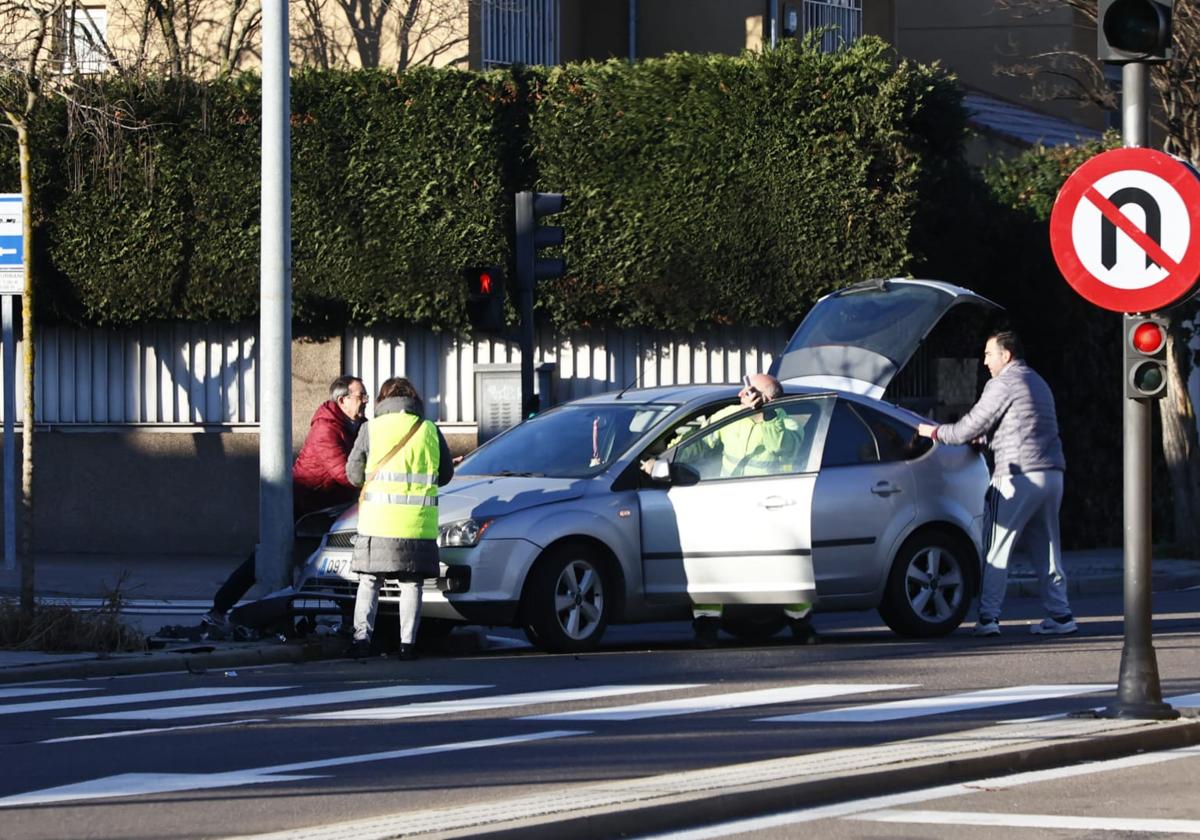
{"points": [[930, 588], [566, 605]]}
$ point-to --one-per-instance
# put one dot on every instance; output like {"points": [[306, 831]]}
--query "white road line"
{"points": [[144, 784], [1181, 701], [939, 704], [717, 702], [126, 732], [8, 693], [271, 703], [1043, 821], [501, 701], [124, 699], [874, 803]]}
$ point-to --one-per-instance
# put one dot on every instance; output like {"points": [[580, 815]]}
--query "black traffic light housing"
{"points": [[1145, 342], [485, 298], [1134, 30], [532, 236]]}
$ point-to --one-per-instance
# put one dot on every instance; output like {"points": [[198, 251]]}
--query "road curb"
{"points": [[705, 807], [159, 661]]}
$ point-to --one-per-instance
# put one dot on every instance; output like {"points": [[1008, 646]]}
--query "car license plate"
{"points": [[335, 565]]}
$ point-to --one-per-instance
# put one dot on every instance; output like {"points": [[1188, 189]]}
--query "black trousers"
{"points": [[242, 578]]}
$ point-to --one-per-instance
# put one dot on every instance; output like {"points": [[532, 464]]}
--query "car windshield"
{"points": [[574, 441]]}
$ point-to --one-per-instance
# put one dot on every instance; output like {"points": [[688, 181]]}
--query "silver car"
{"points": [[616, 508]]}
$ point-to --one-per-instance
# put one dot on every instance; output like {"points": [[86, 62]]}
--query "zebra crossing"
{"points": [[590, 702]]}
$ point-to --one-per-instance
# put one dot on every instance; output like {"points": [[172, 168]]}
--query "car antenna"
{"points": [[630, 385]]}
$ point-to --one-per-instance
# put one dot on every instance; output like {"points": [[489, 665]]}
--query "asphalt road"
{"points": [[225, 753]]}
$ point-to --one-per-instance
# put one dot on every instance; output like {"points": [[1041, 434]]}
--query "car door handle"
{"points": [[884, 488], [776, 502]]}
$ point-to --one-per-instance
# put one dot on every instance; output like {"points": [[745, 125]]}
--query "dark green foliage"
{"points": [[701, 189]]}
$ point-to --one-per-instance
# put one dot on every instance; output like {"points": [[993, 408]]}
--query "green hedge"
{"points": [[701, 189]]}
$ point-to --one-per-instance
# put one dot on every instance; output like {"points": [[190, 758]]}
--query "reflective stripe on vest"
{"points": [[400, 500]]}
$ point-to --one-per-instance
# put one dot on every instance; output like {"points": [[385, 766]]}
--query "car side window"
{"points": [[897, 440], [848, 441], [747, 445]]}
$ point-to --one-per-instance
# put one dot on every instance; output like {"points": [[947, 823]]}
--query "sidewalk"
{"points": [[181, 587]]}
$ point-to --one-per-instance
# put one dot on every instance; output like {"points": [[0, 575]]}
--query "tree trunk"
{"points": [[1179, 443], [25, 544]]}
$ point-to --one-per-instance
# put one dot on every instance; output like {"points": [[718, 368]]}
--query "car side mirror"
{"points": [[661, 471]]}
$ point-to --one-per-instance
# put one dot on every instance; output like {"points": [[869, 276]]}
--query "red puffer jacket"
{"points": [[319, 474]]}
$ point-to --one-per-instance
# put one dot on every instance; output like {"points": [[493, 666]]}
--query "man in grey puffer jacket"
{"points": [[1015, 417]]}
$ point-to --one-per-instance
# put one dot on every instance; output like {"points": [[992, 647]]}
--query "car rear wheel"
{"points": [[566, 605], [752, 623], [930, 588]]}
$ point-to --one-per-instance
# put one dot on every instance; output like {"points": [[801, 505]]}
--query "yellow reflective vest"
{"points": [[750, 448], [399, 498]]}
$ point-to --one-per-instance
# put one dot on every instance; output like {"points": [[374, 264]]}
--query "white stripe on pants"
{"points": [[366, 604], [1023, 509]]}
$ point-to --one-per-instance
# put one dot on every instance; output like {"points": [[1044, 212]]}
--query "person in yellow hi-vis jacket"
{"points": [[754, 445], [399, 460]]}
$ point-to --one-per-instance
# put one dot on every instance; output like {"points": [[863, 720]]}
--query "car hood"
{"points": [[482, 497], [859, 338]]}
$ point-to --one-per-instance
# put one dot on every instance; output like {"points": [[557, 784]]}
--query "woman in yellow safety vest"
{"points": [[399, 460]]}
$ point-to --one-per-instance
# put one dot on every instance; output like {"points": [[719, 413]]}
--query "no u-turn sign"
{"points": [[1125, 230]]}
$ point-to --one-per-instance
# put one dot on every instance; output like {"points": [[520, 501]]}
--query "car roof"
{"points": [[682, 394]]}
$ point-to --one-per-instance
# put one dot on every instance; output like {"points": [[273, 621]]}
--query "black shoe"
{"points": [[359, 649], [407, 652], [706, 630], [803, 632]]}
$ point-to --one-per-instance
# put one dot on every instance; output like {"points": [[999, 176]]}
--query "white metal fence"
{"points": [[518, 32], [840, 20], [191, 376]]}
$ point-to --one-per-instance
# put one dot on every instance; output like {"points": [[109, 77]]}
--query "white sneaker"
{"points": [[1054, 627], [986, 627], [212, 618]]}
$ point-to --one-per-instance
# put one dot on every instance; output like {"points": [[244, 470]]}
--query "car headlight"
{"points": [[464, 533]]}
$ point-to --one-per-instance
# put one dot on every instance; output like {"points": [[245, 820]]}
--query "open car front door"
{"points": [[732, 525]]}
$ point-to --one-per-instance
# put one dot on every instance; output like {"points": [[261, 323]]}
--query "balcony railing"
{"points": [[840, 22], [519, 32]]}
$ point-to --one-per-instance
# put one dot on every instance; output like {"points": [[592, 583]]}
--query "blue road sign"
{"points": [[12, 251]]}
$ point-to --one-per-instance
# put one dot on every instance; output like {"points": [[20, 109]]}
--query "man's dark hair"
{"points": [[341, 386], [1010, 341]]}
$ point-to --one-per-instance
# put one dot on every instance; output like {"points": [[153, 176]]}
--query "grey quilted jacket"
{"points": [[1015, 415]]}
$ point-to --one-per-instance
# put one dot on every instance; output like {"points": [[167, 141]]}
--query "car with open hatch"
{"points": [[618, 507]]}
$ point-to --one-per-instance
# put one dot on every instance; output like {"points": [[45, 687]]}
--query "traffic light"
{"points": [[1134, 30], [532, 236], [1145, 357], [485, 298]]}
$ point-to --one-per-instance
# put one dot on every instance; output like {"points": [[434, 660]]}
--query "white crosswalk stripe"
{"points": [[718, 702], [129, 699], [939, 704], [478, 704], [273, 703]]}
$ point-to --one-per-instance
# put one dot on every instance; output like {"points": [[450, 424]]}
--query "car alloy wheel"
{"points": [[565, 607], [930, 586]]}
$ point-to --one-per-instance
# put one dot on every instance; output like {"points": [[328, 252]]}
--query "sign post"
{"points": [[1125, 232], [12, 283]]}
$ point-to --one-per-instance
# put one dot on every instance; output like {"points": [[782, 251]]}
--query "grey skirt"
{"points": [[384, 555]]}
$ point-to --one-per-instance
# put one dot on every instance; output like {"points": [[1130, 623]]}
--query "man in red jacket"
{"points": [[318, 478]]}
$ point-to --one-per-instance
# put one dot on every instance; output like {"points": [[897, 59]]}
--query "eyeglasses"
{"points": [[361, 396]]}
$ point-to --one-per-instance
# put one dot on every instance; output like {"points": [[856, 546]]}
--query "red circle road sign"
{"points": [[1125, 230]]}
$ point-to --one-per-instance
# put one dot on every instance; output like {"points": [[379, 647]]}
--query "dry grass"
{"points": [[53, 627]]}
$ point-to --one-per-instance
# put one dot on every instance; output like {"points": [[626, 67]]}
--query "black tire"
{"points": [[752, 623], [567, 602], [933, 580]]}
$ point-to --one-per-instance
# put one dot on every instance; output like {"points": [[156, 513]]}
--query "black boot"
{"points": [[803, 632], [359, 649], [706, 629], [407, 652]]}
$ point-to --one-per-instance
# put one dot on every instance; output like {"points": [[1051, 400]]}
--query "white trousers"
{"points": [[366, 605], [1023, 509]]}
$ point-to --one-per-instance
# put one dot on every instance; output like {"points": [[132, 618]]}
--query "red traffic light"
{"points": [[1148, 337], [485, 283]]}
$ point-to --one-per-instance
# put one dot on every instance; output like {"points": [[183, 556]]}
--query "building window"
{"points": [[518, 32], [840, 22], [83, 42]]}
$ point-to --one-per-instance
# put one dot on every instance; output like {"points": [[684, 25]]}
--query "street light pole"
{"points": [[273, 562]]}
